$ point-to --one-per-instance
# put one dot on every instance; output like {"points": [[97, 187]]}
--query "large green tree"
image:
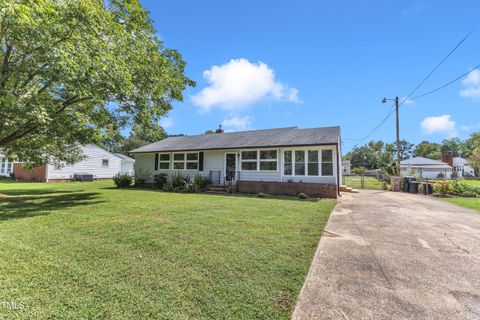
{"points": [[428, 150], [75, 71]]}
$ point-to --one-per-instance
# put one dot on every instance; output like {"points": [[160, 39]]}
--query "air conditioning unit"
{"points": [[83, 177]]}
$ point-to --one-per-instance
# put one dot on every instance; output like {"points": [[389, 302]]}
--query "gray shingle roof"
{"points": [[421, 161], [123, 157], [280, 137]]}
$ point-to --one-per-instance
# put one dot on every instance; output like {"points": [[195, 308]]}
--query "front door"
{"points": [[230, 167]]}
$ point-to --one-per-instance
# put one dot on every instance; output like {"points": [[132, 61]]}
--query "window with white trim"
{"points": [[192, 161], [164, 161], [185, 161], [105, 163], [179, 161], [308, 162], [287, 162], [268, 160], [312, 169], [249, 160], [327, 162], [299, 162]]}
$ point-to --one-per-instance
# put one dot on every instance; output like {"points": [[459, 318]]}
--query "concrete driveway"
{"points": [[387, 255]]}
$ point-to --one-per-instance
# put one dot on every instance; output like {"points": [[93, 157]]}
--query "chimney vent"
{"points": [[219, 130]]}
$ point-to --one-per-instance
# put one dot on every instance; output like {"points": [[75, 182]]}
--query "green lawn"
{"points": [[355, 182], [90, 251], [473, 203]]}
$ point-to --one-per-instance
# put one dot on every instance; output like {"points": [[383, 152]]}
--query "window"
{"points": [[188, 161], [299, 162], [249, 160], [179, 161], [268, 160], [327, 162], [312, 162], [287, 166], [164, 161], [9, 167], [192, 161], [105, 163]]}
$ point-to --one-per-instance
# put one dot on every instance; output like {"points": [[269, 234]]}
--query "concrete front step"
{"points": [[348, 189]]}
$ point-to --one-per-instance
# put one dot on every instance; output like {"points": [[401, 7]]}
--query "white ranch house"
{"points": [[284, 155]]}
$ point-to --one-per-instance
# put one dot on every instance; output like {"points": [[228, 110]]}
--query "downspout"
{"points": [[338, 170]]}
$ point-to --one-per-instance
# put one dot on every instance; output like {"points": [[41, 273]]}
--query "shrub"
{"points": [[290, 180], [261, 195], [384, 185], [160, 180], [123, 180], [442, 187], [359, 170], [302, 196], [201, 182], [141, 177], [189, 187], [168, 186], [178, 180]]}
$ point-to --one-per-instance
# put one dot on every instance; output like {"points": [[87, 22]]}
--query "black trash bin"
{"points": [[405, 183], [427, 188], [413, 186]]}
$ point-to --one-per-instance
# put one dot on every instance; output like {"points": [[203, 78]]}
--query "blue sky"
{"points": [[264, 64]]}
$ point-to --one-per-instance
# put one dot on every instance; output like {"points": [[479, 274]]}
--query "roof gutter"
{"points": [[338, 170], [238, 148]]}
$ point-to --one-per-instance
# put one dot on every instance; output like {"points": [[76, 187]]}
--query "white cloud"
{"points": [[469, 128], [407, 100], [236, 123], [239, 84], [439, 124], [166, 123], [471, 86]]}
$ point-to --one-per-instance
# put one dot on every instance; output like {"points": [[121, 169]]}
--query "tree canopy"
{"points": [[77, 71]]}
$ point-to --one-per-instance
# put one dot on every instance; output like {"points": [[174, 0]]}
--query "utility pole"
{"points": [[398, 133], [398, 137]]}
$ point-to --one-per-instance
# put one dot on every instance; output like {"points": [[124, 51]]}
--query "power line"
{"points": [[392, 110], [439, 64], [446, 84]]}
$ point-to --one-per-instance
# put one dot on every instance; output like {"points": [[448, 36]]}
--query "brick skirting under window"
{"points": [[316, 190]]}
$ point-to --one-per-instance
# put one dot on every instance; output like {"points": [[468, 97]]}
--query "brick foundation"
{"points": [[21, 172], [316, 190]]}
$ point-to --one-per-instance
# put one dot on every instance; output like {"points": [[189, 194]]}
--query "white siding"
{"points": [[214, 160], [92, 164], [126, 166]]}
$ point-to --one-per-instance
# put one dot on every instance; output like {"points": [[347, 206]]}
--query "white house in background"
{"points": [[425, 168], [6, 166], [346, 167], [98, 162], [461, 167], [127, 164]]}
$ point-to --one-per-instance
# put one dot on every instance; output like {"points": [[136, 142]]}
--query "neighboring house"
{"points": [[98, 162], [425, 168], [284, 160], [6, 166], [461, 167], [127, 164], [346, 167]]}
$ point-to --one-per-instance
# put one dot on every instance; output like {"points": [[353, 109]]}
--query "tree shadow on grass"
{"points": [[32, 206], [32, 192], [231, 195]]}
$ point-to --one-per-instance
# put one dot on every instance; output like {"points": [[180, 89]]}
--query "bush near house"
{"points": [[123, 180], [457, 188]]}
